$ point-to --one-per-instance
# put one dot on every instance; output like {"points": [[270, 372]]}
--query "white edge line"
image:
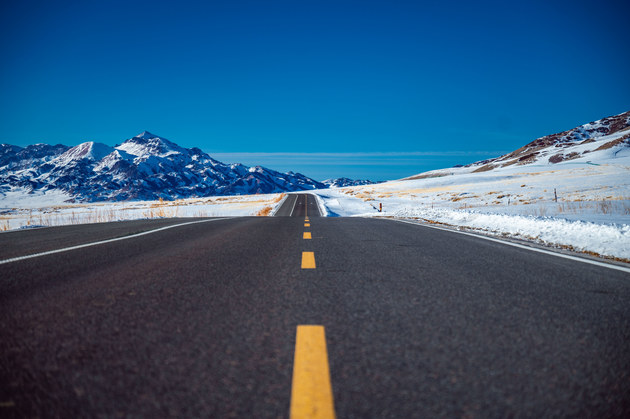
{"points": [[534, 249], [294, 202], [320, 205], [81, 246], [279, 205]]}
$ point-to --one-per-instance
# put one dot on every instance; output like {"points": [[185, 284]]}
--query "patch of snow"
{"points": [[323, 210], [604, 239], [591, 214], [22, 198], [84, 151], [19, 210], [146, 135]]}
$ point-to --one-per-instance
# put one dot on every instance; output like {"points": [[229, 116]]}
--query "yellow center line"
{"points": [[307, 224], [307, 235], [308, 260], [311, 393]]}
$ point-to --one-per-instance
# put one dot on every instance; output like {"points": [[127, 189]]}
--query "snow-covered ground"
{"points": [[21, 210], [591, 214]]}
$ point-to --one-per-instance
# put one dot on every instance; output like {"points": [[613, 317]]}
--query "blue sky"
{"points": [[365, 89]]}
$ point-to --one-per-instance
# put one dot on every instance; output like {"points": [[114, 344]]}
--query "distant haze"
{"points": [[371, 166]]}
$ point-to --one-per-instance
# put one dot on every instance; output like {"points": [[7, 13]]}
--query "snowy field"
{"points": [[21, 210], [582, 204]]}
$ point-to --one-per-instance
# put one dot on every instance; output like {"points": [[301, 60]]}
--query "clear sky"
{"points": [[366, 89]]}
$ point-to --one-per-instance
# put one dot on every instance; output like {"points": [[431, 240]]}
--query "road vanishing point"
{"points": [[304, 316]]}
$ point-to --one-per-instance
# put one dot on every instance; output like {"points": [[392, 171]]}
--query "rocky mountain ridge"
{"points": [[144, 167], [344, 181], [600, 140], [564, 146]]}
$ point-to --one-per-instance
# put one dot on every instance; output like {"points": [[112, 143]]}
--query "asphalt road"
{"points": [[299, 205], [200, 321]]}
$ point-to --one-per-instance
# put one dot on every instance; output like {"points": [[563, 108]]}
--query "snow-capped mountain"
{"points": [[568, 145], [143, 167], [344, 181]]}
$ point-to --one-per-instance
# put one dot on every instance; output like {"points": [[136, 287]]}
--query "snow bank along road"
{"points": [[255, 317]]}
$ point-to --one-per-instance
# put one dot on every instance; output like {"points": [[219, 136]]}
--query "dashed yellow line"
{"points": [[311, 392], [308, 260], [307, 235], [307, 224]]}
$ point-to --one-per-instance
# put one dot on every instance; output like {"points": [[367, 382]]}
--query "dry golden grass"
{"points": [[237, 200], [264, 212], [456, 198], [156, 210], [613, 143], [365, 196]]}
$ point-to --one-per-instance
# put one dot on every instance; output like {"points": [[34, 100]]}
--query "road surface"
{"points": [[200, 320]]}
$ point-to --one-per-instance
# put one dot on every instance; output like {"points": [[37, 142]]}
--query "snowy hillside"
{"points": [[144, 167], [584, 143], [570, 189]]}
